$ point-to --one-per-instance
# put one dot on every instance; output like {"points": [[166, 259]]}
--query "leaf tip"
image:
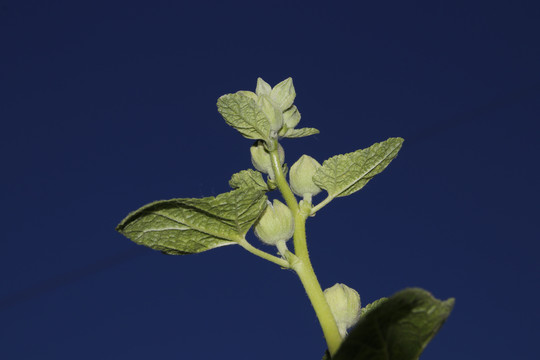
{"points": [[449, 303]]}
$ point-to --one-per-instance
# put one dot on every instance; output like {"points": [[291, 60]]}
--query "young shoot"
{"points": [[396, 328]]}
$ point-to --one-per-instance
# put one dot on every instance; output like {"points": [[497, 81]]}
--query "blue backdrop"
{"points": [[106, 106]]}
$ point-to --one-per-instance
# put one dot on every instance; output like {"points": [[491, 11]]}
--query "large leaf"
{"points": [[248, 179], [242, 113], [398, 328], [187, 226], [343, 175]]}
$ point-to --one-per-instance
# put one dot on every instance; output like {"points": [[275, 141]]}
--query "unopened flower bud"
{"points": [[260, 158], [283, 94], [344, 303], [263, 88], [275, 224], [291, 117], [301, 176], [272, 113]]}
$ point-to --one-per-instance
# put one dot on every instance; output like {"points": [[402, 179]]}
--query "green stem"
{"points": [[281, 262], [320, 205], [307, 276], [302, 264], [281, 182]]}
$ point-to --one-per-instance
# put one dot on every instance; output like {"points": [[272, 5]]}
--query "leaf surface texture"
{"points": [[187, 226], [345, 174]]}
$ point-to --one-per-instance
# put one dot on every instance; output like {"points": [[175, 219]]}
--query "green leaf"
{"points": [[187, 226], [248, 94], [302, 132], [242, 113], [248, 179], [366, 309], [343, 175], [396, 329]]}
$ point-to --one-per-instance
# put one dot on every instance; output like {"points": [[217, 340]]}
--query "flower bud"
{"points": [[260, 158], [291, 117], [301, 176], [344, 303], [283, 94], [275, 224], [272, 113], [263, 88]]}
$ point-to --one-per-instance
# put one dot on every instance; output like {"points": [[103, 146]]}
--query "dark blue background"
{"points": [[106, 106]]}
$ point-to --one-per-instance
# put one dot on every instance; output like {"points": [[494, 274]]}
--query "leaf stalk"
{"points": [[262, 254], [320, 205]]}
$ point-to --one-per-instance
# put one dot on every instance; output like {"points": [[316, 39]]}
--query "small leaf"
{"points": [[302, 132], [248, 179], [187, 226], [396, 329], [343, 175], [242, 113]]}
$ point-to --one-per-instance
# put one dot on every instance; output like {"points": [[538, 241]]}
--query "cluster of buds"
{"points": [[276, 103], [344, 303], [276, 224]]}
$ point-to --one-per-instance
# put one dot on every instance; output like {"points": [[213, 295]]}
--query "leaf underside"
{"points": [[302, 132], [243, 114], [187, 226], [398, 328], [248, 179], [345, 174]]}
